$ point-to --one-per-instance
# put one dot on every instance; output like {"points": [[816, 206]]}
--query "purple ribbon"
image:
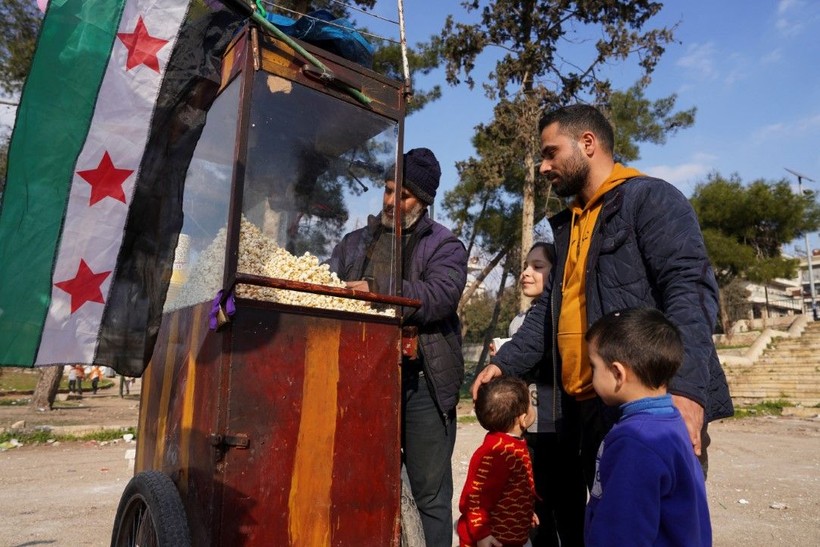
{"points": [[230, 309]]}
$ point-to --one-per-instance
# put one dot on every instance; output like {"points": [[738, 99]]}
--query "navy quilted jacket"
{"points": [[436, 274], [647, 250]]}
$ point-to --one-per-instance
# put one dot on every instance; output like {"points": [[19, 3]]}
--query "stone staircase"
{"points": [[788, 369]]}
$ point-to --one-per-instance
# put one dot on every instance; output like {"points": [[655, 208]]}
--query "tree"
{"points": [[637, 119], [421, 60], [47, 386], [387, 58], [532, 74], [20, 23], [745, 227]]}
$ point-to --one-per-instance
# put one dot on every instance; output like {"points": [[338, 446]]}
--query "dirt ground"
{"points": [[764, 479]]}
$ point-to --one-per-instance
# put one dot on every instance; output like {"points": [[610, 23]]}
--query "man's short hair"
{"points": [[500, 402], [573, 120], [642, 339]]}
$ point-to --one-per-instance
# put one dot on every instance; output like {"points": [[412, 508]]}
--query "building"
{"points": [[783, 297]]}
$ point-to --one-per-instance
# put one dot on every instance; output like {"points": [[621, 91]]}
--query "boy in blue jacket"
{"points": [[649, 487]]}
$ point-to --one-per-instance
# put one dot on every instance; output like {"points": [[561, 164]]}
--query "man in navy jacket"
{"points": [[627, 240]]}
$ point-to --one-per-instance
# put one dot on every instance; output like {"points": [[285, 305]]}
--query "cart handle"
{"points": [[258, 280]]}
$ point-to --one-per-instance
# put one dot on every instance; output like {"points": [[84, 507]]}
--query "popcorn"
{"points": [[260, 255]]}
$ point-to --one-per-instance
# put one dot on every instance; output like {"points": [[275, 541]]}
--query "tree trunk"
{"points": [[488, 334], [47, 386], [726, 324], [468, 293], [527, 215]]}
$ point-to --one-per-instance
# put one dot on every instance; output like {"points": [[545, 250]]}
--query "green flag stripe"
{"points": [[52, 121]]}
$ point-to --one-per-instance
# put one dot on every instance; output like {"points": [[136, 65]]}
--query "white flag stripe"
{"points": [[119, 126]]}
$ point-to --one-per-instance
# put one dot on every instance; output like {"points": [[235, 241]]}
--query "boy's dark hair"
{"points": [[577, 118], [642, 339], [500, 401]]}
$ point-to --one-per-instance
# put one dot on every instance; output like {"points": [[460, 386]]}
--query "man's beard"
{"points": [[574, 178], [408, 220]]}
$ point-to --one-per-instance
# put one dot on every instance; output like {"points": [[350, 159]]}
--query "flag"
{"points": [[108, 120]]}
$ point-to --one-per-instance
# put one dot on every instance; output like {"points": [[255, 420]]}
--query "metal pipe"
{"points": [[800, 178], [408, 86]]}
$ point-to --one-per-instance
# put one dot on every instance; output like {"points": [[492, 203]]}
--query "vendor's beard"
{"points": [[408, 220]]}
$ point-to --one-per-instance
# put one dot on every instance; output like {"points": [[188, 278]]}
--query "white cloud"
{"points": [[789, 23], [788, 129], [700, 60], [684, 175], [704, 62], [772, 57]]}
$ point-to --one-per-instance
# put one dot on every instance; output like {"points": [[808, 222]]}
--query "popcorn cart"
{"points": [[269, 412]]}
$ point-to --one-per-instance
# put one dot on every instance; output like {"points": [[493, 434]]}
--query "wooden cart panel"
{"points": [[315, 402]]}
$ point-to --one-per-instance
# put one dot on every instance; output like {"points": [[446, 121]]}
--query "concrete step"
{"points": [[788, 369], [809, 404], [788, 362]]}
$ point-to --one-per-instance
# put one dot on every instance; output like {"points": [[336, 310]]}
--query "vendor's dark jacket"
{"points": [[435, 274], [646, 251]]}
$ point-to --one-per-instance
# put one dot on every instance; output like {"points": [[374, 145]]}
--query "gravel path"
{"points": [[764, 479]]}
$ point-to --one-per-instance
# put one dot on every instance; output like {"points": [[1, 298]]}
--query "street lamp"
{"points": [[800, 178]]}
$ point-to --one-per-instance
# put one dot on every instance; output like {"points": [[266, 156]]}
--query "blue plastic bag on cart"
{"points": [[332, 34]]}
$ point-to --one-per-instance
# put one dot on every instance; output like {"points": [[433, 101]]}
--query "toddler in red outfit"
{"points": [[498, 496]]}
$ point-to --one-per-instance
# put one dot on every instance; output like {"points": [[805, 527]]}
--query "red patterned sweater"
{"points": [[498, 494]]}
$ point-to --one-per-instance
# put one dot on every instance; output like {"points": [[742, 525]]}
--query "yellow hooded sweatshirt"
{"points": [[576, 373]]}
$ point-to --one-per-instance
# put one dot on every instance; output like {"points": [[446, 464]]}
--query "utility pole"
{"points": [[800, 178]]}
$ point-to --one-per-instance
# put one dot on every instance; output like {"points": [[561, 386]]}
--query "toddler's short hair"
{"points": [[642, 339], [500, 401]]}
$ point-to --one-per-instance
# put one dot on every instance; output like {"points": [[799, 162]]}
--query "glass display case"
{"points": [[285, 167], [263, 429]]}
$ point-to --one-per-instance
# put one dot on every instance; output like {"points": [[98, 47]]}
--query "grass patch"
{"points": [[42, 436], [766, 408], [24, 380], [6, 401], [467, 419]]}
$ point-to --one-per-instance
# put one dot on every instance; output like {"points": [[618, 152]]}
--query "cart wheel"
{"points": [[150, 514], [412, 531]]}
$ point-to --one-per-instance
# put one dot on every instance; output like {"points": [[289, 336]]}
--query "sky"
{"points": [[750, 67]]}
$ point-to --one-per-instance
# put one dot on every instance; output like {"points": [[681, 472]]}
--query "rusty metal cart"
{"points": [[278, 423]]}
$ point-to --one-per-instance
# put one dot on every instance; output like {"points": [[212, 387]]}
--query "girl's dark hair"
{"points": [[500, 402], [642, 339], [549, 250]]}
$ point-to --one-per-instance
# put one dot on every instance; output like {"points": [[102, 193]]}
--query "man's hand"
{"points": [[489, 541], [692, 414], [360, 285], [488, 373]]}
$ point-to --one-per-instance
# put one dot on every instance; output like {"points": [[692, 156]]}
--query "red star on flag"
{"points": [[85, 287], [142, 47], [105, 180]]}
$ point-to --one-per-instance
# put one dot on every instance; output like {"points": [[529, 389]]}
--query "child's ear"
{"points": [[619, 371]]}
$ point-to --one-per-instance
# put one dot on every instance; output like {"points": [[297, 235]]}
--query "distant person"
{"points": [[124, 383], [649, 487], [72, 379], [96, 374], [434, 271], [80, 370], [499, 493], [559, 481]]}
